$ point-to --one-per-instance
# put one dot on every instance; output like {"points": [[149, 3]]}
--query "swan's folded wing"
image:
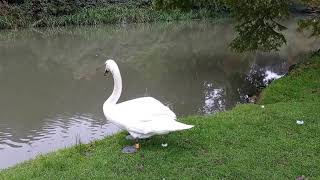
{"points": [[136, 111], [144, 108]]}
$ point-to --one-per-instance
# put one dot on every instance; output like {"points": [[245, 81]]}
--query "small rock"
{"points": [[262, 106], [300, 178], [164, 144], [300, 122]]}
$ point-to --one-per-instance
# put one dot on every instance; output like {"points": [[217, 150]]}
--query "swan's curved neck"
{"points": [[117, 86]]}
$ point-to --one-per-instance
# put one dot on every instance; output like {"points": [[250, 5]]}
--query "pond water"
{"points": [[52, 89]]}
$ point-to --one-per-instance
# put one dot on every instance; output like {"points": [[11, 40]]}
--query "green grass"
{"points": [[303, 85], [248, 142]]}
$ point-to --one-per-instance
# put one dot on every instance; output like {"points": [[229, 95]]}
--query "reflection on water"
{"points": [[52, 86], [214, 99]]}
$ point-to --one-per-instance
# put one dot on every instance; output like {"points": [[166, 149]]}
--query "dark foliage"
{"points": [[312, 23], [216, 5], [257, 24]]}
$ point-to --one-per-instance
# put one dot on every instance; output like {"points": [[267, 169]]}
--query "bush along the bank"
{"points": [[30, 12], [43, 13], [186, 5]]}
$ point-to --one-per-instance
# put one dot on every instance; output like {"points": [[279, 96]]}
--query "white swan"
{"points": [[141, 117]]}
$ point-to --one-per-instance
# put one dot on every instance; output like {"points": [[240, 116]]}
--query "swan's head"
{"points": [[111, 65]]}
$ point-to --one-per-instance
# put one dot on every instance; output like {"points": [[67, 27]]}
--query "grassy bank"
{"points": [[248, 142], [22, 16]]}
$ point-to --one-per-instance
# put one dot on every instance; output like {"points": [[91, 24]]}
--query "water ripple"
{"points": [[58, 132], [13, 144]]}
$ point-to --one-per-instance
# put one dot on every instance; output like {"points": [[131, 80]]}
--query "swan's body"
{"points": [[141, 117]]}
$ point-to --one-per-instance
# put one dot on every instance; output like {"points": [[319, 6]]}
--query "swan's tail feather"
{"points": [[173, 126], [159, 127], [181, 126]]}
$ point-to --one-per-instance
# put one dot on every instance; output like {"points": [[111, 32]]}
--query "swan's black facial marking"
{"points": [[106, 72]]}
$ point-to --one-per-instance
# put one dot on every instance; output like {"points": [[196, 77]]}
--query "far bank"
{"points": [[32, 14]]}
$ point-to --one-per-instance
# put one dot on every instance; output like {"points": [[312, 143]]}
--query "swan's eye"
{"points": [[106, 72]]}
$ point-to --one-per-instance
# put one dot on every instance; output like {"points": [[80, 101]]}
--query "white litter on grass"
{"points": [[300, 122], [262, 106], [164, 144]]}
